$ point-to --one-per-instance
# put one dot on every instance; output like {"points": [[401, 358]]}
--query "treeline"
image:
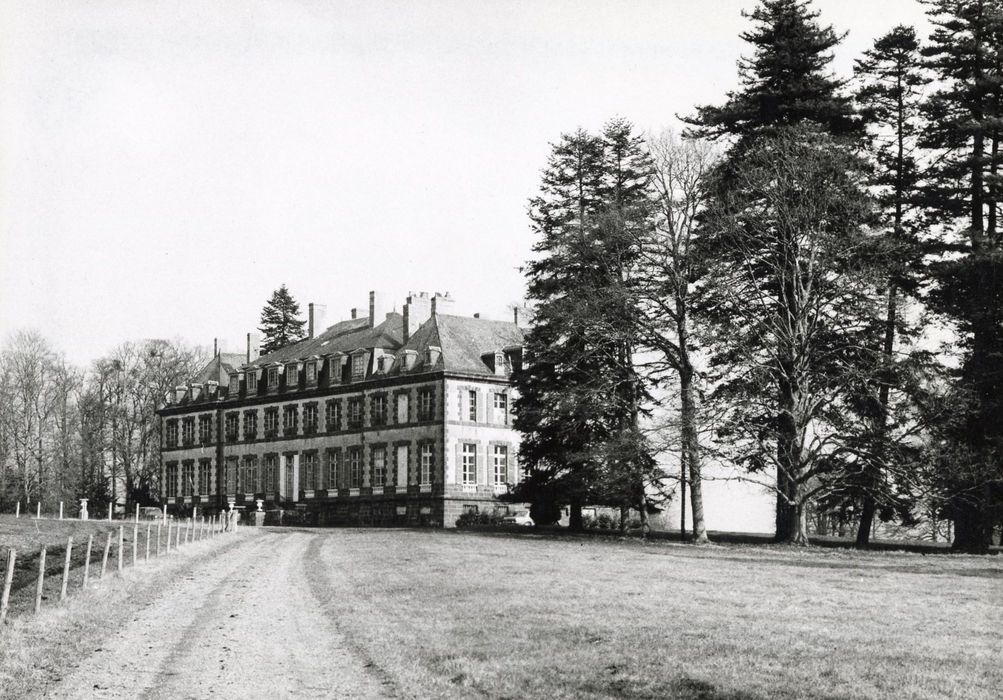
{"points": [[68, 432], [811, 279]]}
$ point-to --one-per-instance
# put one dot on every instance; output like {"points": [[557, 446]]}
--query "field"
{"points": [[407, 613]]}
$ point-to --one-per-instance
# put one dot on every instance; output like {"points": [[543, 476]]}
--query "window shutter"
{"points": [[512, 468], [482, 464]]}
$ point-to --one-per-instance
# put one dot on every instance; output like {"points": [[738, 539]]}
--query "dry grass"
{"points": [[464, 614], [27, 536]]}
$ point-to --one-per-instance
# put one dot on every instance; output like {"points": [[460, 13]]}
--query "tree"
{"points": [[784, 83], [280, 322], [580, 395], [964, 129], [890, 94], [679, 179], [792, 302]]}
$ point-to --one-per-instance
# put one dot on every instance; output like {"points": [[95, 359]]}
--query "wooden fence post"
{"points": [[148, 528], [60, 510], [41, 580], [177, 537], [168, 550], [17, 510], [104, 559], [121, 543], [66, 569], [159, 525], [87, 561], [135, 542], [137, 514], [7, 580], [38, 510]]}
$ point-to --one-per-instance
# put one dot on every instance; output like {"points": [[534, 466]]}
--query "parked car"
{"points": [[520, 517]]}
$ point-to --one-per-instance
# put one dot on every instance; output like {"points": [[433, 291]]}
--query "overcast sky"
{"points": [[165, 165]]}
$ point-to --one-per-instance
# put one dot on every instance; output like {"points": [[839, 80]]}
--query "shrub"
{"points": [[605, 521]]}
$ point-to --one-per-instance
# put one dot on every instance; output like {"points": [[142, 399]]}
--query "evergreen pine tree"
{"points": [[891, 80], [965, 128], [280, 322], [784, 84], [579, 393]]}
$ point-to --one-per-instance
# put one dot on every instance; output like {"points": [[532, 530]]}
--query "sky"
{"points": [[164, 166]]}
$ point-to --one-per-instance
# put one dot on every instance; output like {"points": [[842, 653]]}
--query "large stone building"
{"points": [[391, 418]]}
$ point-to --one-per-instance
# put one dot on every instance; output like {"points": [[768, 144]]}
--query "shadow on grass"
{"points": [[683, 688]]}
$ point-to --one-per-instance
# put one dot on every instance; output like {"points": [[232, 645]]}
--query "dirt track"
{"points": [[249, 619]]}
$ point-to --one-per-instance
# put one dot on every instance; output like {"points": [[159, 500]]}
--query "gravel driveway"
{"points": [[249, 619]]}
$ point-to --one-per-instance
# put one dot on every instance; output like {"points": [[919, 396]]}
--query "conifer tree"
{"points": [[892, 78], [784, 84], [280, 322], [580, 395], [964, 129]]}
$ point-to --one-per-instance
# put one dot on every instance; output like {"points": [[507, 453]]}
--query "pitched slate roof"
{"points": [[344, 336], [220, 368], [464, 342]]}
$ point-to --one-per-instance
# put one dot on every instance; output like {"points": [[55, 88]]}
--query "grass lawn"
{"points": [[461, 614], [27, 536]]}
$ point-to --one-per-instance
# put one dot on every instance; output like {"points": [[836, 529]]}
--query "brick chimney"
{"points": [[417, 310], [315, 314], [377, 309], [253, 347]]}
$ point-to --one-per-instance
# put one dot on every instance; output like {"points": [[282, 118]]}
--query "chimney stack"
{"points": [[215, 347], [253, 347], [515, 315], [477, 315], [377, 308], [417, 310], [316, 315], [442, 303], [354, 313]]}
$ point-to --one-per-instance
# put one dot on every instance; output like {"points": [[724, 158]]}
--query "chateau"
{"points": [[393, 418]]}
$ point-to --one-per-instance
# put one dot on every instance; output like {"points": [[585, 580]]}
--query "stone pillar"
{"points": [[83, 509]]}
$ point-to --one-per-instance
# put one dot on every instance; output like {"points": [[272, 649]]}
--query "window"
{"points": [[252, 382], [354, 413], [501, 409], [289, 415], [310, 418], [273, 377], [171, 433], [426, 404], [250, 425], [472, 405], [402, 413], [379, 409], [359, 365], [232, 426], [331, 478], [379, 466], [310, 369], [355, 467], [287, 488], [188, 431], [332, 417], [427, 463], [500, 471], [171, 480], [403, 461], [271, 422], [205, 485], [381, 364], [234, 384], [468, 461], [292, 376], [249, 479], [205, 429], [311, 475], [269, 472], [231, 475]]}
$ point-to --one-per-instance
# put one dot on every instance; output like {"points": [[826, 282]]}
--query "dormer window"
{"points": [[252, 382], [292, 375], [381, 364], [234, 384], [359, 365], [273, 377], [311, 372]]}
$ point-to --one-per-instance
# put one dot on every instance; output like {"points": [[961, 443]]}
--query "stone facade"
{"points": [[403, 421]]}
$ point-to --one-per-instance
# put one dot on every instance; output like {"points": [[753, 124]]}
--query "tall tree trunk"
{"points": [[575, 516], [691, 447]]}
